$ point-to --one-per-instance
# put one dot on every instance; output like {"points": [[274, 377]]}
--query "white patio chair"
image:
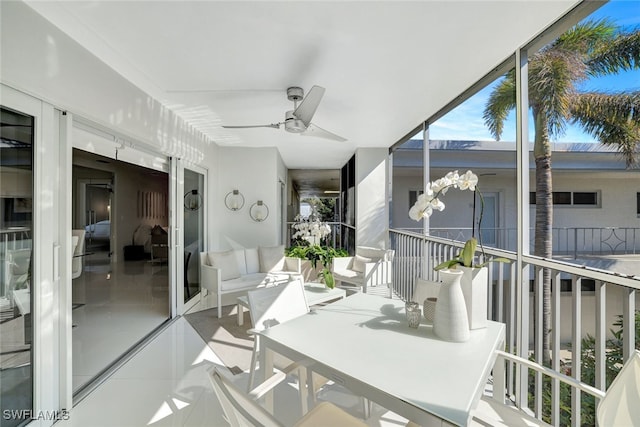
{"points": [[78, 251], [243, 410], [424, 289], [271, 306], [619, 406], [621, 403]]}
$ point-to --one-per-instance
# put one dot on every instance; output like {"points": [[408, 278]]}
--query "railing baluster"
{"points": [[629, 323], [555, 358], [538, 354], [576, 347], [511, 327], [601, 335], [500, 291]]}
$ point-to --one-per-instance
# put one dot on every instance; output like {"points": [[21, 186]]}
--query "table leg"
{"points": [[266, 371], [240, 311]]}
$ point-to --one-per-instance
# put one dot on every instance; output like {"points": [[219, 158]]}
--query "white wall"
{"points": [[617, 208], [372, 209], [254, 172], [40, 60]]}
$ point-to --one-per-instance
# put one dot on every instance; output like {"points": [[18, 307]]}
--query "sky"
{"points": [[466, 123]]}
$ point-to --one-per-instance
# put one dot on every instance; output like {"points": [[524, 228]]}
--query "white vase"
{"points": [[451, 322], [475, 288]]}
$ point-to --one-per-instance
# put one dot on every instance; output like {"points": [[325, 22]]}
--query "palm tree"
{"points": [[590, 49]]}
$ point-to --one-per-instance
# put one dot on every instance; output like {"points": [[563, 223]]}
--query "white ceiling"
{"points": [[386, 65]]}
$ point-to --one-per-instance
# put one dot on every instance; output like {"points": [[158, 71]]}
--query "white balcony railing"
{"points": [[571, 241], [592, 332]]}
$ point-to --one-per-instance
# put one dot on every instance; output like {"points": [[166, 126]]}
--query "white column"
{"points": [[372, 197]]}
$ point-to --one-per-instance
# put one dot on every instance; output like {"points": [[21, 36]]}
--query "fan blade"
{"points": [[309, 105], [313, 130], [272, 125]]}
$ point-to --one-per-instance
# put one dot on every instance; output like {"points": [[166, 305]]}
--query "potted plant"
{"points": [[315, 254], [474, 281]]}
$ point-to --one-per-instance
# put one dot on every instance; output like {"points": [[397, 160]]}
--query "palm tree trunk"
{"points": [[543, 245]]}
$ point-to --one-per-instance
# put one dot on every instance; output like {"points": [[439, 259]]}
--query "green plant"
{"points": [[466, 256], [316, 253]]}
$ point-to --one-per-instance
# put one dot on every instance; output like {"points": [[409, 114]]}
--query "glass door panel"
{"points": [[16, 255], [193, 231]]}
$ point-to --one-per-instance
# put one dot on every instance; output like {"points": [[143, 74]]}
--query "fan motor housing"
{"points": [[293, 124], [295, 93]]}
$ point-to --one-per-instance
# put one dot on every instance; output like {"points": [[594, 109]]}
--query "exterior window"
{"points": [[638, 203], [577, 198], [589, 198], [413, 196], [561, 198]]}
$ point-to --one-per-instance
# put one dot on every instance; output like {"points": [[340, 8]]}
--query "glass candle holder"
{"points": [[429, 309], [412, 309]]}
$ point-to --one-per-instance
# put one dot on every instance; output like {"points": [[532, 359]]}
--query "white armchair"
{"points": [[77, 237], [369, 267]]}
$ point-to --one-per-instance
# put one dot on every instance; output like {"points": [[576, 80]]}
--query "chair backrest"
{"points": [[277, 304], [376, 254], [16, 269], [76, 263], [621, 404], [239, 408], [424, 289]]}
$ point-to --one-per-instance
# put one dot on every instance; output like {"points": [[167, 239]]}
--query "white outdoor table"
{"points": [[315, 293], [364, 343]]}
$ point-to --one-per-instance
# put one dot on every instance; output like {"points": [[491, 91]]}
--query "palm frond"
{"points": [[552, 78], [585, 37], [620, 54], [613, 119], [501, 100]]}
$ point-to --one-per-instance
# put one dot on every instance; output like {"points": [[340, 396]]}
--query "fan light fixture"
{"points": [[259, 211], [234, 200], [192, 200]]}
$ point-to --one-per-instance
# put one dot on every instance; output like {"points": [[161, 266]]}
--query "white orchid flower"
{"points": [[437, 205], [429, 201], [468, 181]]}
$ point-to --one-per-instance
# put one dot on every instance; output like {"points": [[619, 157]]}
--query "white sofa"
{"points": [[369, 267], [237, 270]]}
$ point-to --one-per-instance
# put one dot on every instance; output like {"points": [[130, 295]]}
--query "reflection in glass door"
{"points": [[193, 231], [16, 255]]}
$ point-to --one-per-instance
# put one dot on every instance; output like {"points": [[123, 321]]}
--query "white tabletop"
{"points": [[364, 343]]}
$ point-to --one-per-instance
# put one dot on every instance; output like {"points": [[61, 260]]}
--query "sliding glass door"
{"points": [[193, 227], [16, 263], [30, 257]]}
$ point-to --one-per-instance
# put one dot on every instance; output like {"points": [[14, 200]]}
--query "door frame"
{"points": [[178, 166], [51, 263]]}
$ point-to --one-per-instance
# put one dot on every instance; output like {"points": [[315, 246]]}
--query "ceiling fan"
{"points": [[298, 120]]}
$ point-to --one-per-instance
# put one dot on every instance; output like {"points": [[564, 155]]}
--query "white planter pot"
{"points": [[475, 288], [450, 320], [310, 274]]}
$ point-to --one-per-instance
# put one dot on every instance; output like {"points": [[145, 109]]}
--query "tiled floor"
{"points": [[166, 384], [116, 304]]}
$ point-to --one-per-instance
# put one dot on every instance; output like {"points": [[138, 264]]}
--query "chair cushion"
{"points": [[241, 261], [253, 262], [348, 275], [271, 258], [227, 262], [248, 281], [359, 263]]}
